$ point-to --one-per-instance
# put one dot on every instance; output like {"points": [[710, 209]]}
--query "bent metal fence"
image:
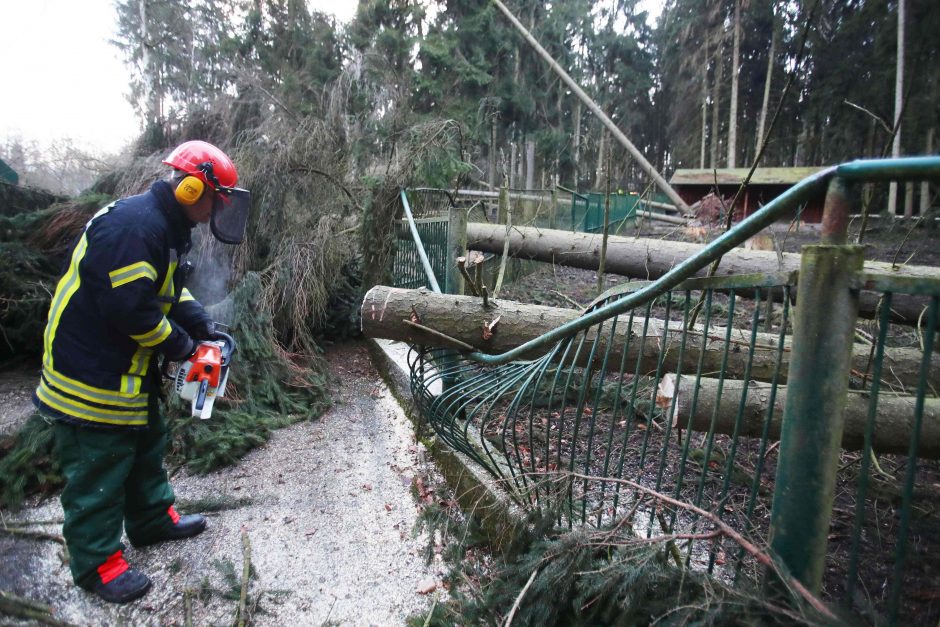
{"points": [[774, 419]]}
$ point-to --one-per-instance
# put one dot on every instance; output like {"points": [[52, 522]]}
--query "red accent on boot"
{"points": [[173, 515], [113, 567]]}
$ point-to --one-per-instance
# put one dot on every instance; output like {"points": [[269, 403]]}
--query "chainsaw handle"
{"points": [[228, 346]]}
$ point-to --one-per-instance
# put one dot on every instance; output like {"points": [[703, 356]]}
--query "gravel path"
{"points": [[328, 511], [16, 397]]}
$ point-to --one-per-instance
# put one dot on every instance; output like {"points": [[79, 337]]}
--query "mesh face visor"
{"points": [[230, 215]]}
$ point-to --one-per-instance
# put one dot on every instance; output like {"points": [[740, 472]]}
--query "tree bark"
{"points": [[701, 157], [601, 151], [735, 72], [384, 310], [491, 167], [767, 79], [530, 164], [644, 258], [716, 106], [576, 143], [893, 422], [898, 104]]}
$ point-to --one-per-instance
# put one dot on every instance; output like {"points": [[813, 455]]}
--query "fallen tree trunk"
{"points": [[661, 217], [387, 312], [894, 420], [650, 259]]}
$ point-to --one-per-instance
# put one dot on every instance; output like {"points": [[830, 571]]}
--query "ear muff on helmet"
{"points": [[189, 190]]}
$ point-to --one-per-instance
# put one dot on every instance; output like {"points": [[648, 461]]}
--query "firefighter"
{"points": [[119, 306]]}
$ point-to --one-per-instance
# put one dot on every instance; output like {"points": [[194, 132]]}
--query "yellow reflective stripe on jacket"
{"points": [[155, 335], [140, 362], [64, 291], [77, 409], [166, 292], [130, 384], [66, 288], [186, 296], [127, 274], [130, 398]]}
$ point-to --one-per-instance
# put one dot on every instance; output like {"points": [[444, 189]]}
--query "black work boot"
{"points": [[183, 527], [186, 527], [129, 585]]}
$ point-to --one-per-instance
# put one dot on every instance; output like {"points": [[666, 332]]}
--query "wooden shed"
{"points": [[765, 185]]}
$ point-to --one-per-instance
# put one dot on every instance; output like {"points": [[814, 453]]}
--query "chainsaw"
{"points": [[202, 378]]}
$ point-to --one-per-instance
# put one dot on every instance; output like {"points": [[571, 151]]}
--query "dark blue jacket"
{"points": [[114, 309]]}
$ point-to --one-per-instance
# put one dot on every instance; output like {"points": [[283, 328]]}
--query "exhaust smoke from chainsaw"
{"points": [[209, 284]]}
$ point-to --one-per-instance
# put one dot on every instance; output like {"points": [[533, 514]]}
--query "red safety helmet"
{"points": [[212, 167], [192, 158]]}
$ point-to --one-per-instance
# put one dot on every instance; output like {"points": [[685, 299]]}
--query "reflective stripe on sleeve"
{"points": [[186, 296], [155, 335], [127, 274]]}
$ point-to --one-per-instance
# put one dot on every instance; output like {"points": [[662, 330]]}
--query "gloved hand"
{"points": [[205, 331], [183, 349]]}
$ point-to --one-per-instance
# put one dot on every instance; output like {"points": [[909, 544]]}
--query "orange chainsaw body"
{"points": [[202, 378], [206, 364]]}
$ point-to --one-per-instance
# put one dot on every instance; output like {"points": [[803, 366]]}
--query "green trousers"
{"points": [[114, 478]]}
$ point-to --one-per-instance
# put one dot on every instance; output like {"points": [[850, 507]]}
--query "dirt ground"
{"points": [[328, 511]]}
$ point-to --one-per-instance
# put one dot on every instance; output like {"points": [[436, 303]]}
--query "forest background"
{"points": [[696, 89]]}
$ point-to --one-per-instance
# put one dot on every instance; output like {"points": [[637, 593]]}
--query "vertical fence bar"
{"points": [[811, 432]]}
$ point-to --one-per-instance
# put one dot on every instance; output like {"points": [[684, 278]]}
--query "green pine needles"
{"points": [[592, 577]]}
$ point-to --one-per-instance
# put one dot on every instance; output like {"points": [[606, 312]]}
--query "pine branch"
{"points": [[726, 530]]}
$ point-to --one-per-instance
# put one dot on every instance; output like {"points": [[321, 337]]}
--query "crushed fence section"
{"points": [[683, 408], [653, 396]]}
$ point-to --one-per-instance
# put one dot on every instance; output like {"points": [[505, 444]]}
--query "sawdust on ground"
{"points": [[328, 511]]}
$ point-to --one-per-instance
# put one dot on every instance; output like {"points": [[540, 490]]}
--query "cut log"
{"points": [[893, 421], [387, 311], [652, 258]]}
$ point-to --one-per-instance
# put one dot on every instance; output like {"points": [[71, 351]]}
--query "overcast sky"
{"points": [[63, 79]]}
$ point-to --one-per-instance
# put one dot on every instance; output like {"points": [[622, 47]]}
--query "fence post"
{"points": [[456, 247], [811, 433]]}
